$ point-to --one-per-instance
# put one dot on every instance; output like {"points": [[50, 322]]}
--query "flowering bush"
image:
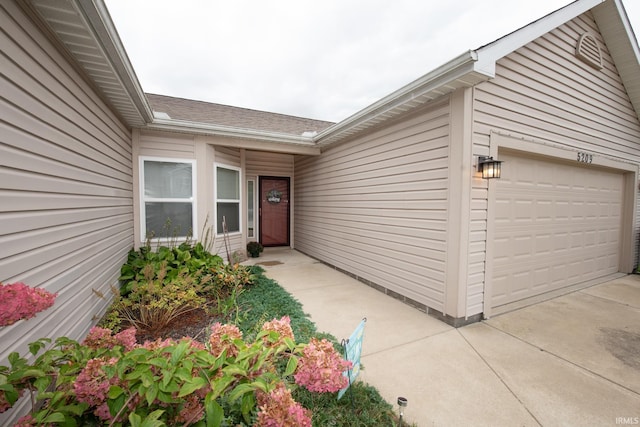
{"points": [[104, 338], [278, 409], [320, 368], [281, 328], [223, 338], [109, 379], [92, 385], [19, 301]]}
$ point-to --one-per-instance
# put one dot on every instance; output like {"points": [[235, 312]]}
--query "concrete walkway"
{"points": [[570, 361]]}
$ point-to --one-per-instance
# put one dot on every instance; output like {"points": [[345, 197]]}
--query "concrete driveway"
{"points": [[570, 361]]}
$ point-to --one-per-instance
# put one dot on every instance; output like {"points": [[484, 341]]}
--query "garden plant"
{"points": [[259, 362]]}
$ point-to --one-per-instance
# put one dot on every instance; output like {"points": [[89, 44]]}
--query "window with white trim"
{"points": [[167, 198], [227, 198], [251, 185]]}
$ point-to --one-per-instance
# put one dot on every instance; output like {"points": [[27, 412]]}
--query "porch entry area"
{"points": [[274, 211]]}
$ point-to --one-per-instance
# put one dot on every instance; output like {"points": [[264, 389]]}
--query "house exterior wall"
{"points": [[269, 164], [545, 98], [207, 151], [65, 185], [376, 206]]}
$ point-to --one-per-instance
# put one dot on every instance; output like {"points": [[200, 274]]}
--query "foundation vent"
{"points": [[588, 50]]}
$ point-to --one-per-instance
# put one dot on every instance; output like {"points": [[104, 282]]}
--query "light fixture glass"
{"points": [[488, 167]]}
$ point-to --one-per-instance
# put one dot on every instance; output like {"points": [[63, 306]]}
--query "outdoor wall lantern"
{"points": [[488, 167]]}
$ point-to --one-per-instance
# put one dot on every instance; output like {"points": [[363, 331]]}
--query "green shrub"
{"points": [[159, 286], [155, 300], [193, 260]]}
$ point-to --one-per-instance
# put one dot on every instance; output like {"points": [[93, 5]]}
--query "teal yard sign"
{"points": [[353, 351]]}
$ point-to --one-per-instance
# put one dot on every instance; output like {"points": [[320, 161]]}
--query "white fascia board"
{"points": [[621, 40], [628, 29], [452, 70], [489, 54], [247, 138], [97, 14]]}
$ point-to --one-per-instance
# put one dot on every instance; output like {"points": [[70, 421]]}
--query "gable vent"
{"points": [[588, 50]]}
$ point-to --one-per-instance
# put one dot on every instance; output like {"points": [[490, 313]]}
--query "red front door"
{"points": [[274, 211]]}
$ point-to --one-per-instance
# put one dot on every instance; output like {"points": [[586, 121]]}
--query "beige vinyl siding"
{"points": [[543, 93], [228, 156], [477, 251], [65, 186], [269, 164], [167, 145], [376, 206]]}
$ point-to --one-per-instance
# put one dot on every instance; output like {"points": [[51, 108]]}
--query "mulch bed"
{"points": [[194, 324]]}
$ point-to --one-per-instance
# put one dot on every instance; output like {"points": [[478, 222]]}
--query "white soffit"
{"points": [[85, 29]]}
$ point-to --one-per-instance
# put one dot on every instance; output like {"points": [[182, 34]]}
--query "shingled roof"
{"points": [[226, 115]]}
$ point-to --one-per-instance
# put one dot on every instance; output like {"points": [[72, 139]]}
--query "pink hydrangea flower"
{"points": [[222, 337], [320, 368], [282, 327], [19, 301], [159, 343], [92, 385], [127, 338], [104, 338], [192, 410], [278, 409], [26, 421]]}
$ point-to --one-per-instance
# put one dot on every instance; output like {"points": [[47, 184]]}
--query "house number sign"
{"points": [[274, 196], [584, 157]]}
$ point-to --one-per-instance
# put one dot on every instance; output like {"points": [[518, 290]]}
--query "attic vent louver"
{"points": [[588, 50]]}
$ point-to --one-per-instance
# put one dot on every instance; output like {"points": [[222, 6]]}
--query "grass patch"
{"points": [[361, 406]]}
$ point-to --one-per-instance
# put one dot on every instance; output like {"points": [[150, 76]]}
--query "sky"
{"points": [[321, 59]]}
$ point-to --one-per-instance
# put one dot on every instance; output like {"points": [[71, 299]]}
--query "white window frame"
{"points": [[238, 201], [144, 199], [255, 209]]}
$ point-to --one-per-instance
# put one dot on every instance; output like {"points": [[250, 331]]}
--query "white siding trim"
{"points": [[459, 209], [217, 165]]}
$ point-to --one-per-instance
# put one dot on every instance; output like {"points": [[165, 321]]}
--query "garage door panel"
{"points": [[556, 224]]}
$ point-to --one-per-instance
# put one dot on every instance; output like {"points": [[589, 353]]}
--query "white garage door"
{"points": [[556, 224]]}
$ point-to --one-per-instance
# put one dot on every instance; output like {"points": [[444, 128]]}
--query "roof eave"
{"points": [[479, 65], [459, 72], [241, 138], [85, 32], [98, 15], [623, 46], [490, 53]]}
